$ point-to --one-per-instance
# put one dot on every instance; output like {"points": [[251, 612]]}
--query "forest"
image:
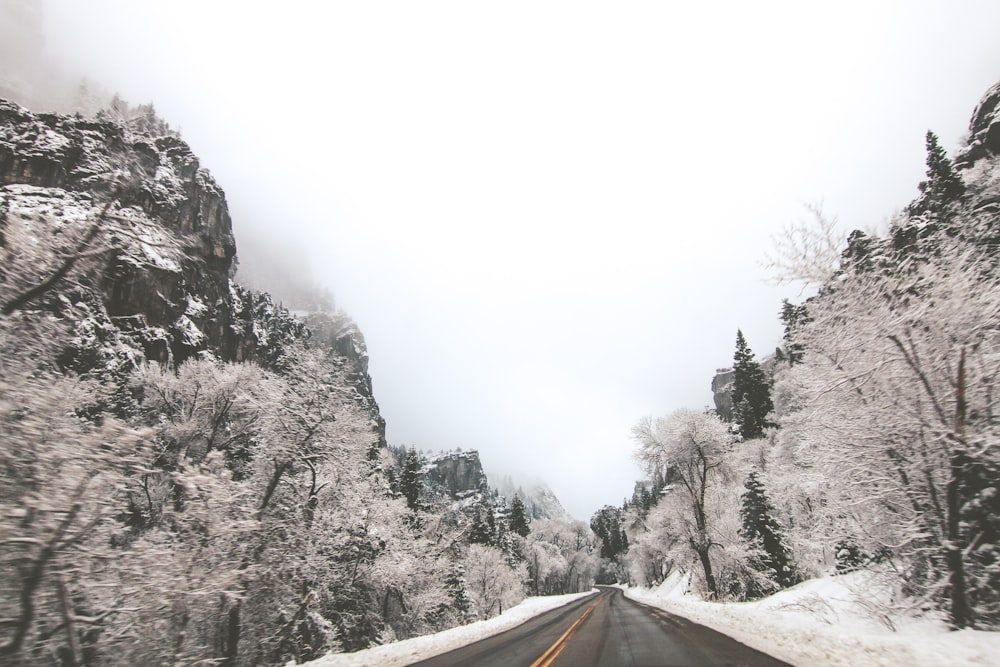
{"points": [[192, 474], [868, 440]]}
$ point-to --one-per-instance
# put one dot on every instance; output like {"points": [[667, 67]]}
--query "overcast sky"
{"points": [[547, 218]]}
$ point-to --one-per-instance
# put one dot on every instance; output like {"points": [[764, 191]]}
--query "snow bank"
{"points": [[413, 650], [822, 622]]}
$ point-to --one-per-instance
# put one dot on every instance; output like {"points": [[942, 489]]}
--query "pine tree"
{"points": [[607, 525], [411, 482], [762, 531], [483, 530], [458, 592], [943, 186], [751, 392], [518, 518], [791, 316]]}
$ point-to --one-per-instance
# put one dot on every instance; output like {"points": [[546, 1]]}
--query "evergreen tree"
{"points": [[943, 186], [483, 530], [791, 316], [411, 482], [607, 525], [458, 592], [751, 392], [518, 518], [762, 531]]}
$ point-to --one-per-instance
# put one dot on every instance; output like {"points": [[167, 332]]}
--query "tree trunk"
{"points": [[706, 563], [960, 612], [66, 610], [232, 635]]}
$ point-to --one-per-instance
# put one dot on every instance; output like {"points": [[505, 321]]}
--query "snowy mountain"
{"points": [[540, 501]]}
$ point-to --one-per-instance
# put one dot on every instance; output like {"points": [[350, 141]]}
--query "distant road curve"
{"points": [[606, 630]]}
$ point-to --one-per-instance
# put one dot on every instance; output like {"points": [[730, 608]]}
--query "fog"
{"points": [[548, 219]]}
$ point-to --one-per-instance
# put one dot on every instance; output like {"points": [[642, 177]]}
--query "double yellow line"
{"points": [[560, 644]]}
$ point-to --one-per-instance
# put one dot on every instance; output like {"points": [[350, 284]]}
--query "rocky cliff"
{"points": [[163, 222], [142, 253], [979, 160], [458, 475], [539, 500], [722, 392]]}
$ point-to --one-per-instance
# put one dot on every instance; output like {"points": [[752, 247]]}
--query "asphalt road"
{"points": [[606, 630]]}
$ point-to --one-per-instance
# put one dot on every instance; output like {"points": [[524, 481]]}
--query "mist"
{"points": [[549, 220]]}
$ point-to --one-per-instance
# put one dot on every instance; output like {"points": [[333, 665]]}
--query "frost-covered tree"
{"points": [[895, 399], [694, 445], [561, 557], [654, 544], [493, 583], [751, 392], [63, 477]]}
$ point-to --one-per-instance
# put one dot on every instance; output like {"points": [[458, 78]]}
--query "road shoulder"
{"points": [[409, 651]]}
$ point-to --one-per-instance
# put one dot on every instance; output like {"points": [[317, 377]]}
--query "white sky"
{"points": [[548, 218]]}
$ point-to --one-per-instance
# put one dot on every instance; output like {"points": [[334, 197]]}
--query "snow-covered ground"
{"points": [[413, 650], [823, 623]]}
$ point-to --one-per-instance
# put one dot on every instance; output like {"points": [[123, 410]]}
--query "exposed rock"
{"points": [[459, 475], [165, 233], [338, 332], [977, 162], [722, 387], [539, 500], [984, 129], [157, 282], [722, 392]]}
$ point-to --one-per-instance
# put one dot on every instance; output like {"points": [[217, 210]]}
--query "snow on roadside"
{"points": [[820, 623], [408, 651]]}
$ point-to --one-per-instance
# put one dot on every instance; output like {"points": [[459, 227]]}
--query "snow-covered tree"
{"points": [[895, 399], [494, 584], [694, 445], [654, 544], [561, 557], [63, 480]]}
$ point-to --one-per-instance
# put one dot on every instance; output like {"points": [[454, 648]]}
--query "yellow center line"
{"points": [[560, 644]]}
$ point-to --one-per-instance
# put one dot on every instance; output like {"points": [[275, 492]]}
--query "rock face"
{"points": [[341, 334], [459, 475], [979, 161], [722, 392], [163, 202], [984, 130], [722, 387], [539, 500], [157, 282]]}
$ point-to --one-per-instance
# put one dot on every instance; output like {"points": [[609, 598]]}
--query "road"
{"points": [[606, 630]]}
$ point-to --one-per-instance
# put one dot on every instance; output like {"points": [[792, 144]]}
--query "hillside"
{"points": [[876, 451], [191, 472]]}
